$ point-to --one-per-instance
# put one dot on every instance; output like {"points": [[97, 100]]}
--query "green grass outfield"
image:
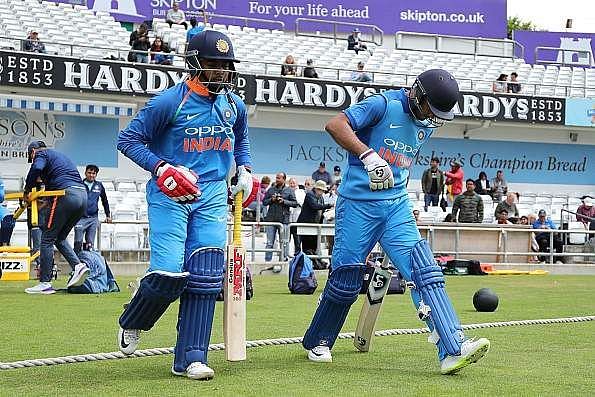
{"points": [[530, 360]]}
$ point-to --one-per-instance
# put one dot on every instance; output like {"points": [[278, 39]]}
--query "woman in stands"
{"points": [[482, 184], [158, 48], [500, 84], [289, 68]]}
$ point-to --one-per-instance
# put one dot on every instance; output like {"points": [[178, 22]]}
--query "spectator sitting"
{"points": [[176, 16], [586, 210], [360, 75], [514, 86], [139, 40], [158, 48], [321, 174], [509, 205], [502, 218], [416, 216], [449, 218], [499, 186], [543, 239], [468, 206], [196, 29], [354, 42], [33, 44], [309, 70], [500, 83], [289, 68], [482, 184]]}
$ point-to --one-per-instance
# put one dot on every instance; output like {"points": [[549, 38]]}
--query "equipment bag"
{"points": [[302, 279], [100, 279], [459, 267]]}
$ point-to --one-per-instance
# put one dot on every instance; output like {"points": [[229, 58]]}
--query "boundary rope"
{"points": [[39, 362]]}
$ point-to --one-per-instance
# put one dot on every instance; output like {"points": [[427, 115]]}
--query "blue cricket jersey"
{"points": [[183, 127], [384, 123]]}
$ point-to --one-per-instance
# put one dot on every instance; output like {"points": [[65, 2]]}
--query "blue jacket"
{"points": [[96, 192], [55, 169], [3, 210]]}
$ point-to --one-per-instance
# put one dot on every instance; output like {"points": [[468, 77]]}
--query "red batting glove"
{"points": [[178, 183]]}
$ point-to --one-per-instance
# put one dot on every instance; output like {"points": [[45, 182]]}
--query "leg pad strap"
{"points": [[341, 290], [429, 282], [197, 306], [156, 292]]}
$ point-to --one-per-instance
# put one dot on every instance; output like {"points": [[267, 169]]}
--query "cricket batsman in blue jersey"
{"points": [[383, 134], [188, 138]]}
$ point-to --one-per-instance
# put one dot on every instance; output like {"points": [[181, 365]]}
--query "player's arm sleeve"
{"points": [[241, 150], [366, 113], [104, 201], [39, 163], [148, 123]]}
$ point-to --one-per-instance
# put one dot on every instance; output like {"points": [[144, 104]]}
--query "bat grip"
{"points": [[237, 217]]}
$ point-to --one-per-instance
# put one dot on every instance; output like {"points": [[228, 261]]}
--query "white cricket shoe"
{"points": [[471, 352], [81, 271], [128, 340], [197, 370], [320, 354], [41, 288]]}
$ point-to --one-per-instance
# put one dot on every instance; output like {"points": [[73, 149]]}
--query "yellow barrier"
{"points": [[33, 196]]}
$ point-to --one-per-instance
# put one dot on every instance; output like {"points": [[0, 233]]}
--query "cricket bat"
{"points": [[367, 319], [234, 307]]}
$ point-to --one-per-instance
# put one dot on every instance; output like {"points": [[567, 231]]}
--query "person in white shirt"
{"points": [[294, 212], [176, 16]]}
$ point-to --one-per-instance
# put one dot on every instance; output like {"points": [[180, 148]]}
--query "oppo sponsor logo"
{"points": [[209, 130], [397, 146]]}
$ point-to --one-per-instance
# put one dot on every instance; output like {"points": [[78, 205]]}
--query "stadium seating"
{"points": [[84, 32]]}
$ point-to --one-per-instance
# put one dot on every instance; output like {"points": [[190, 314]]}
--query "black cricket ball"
{"points": [[485, 300]]}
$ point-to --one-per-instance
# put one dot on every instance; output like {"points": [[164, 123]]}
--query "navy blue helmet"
{"points": [[441, 91], [211, 45], [34, 145]]}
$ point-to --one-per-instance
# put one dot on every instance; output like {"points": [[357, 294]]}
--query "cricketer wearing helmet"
{"points": [[188, 138], [383, 134]]}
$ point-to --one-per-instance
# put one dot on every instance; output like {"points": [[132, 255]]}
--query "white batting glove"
{"points": [[379, 172], [246, 183]]}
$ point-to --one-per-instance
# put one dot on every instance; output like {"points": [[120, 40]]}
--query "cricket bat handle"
{"points": [[237, 218]]}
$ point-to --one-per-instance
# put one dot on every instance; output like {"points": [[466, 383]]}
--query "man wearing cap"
{"points": [[454, 181], [586, 210], [337, 175], [321, 174], [543, 239], [57, 172], [354, 42], [312, 213], [33, 44]]}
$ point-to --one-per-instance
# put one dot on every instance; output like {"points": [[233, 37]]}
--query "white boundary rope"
{"points": [[273, 342]]}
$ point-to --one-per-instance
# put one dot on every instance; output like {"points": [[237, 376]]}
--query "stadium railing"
{"points": [[338, 34], [503, 48]]}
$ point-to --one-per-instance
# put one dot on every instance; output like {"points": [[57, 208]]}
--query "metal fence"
{"points": [[503, 234]]}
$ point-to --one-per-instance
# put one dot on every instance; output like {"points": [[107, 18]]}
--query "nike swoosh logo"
{"points": [[391, 125], [189, 117], [124, 345]]}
